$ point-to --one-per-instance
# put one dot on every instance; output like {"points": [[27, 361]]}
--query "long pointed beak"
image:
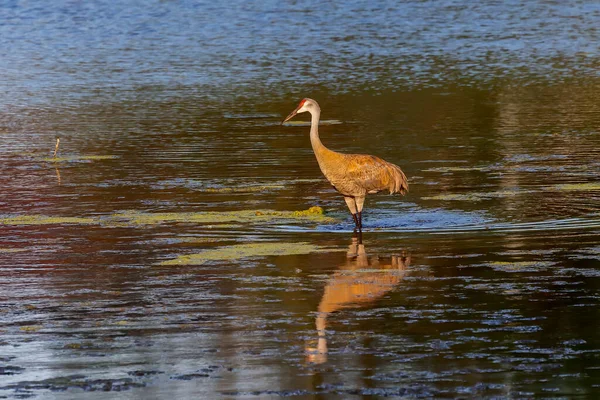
{"points": [[292, 115]]}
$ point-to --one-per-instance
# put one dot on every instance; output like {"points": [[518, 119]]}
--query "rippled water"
{"points": [[167, 251]]}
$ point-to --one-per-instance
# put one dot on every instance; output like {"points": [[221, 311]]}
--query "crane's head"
{"points": [[305, 105]]}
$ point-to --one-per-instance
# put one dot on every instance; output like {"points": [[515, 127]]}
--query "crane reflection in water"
{"points": [[359, 281]]}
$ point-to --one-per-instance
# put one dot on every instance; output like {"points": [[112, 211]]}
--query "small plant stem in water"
{"points": [[56, 147]]}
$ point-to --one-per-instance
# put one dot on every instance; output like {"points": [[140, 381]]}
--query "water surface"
{"points": [[169, 249]]}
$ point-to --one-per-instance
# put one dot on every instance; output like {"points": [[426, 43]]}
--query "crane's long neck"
{"points": [[318, 147]]}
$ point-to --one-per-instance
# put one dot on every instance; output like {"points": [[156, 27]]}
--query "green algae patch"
{"points": [[518, 266], [247, 250], [482, 196], [247, 189], [476, 196], [195, 240], [45, 220], [455, 197], [31, 328], [220, 219], [576, 187], [313, 211], [142, 218], [75, 158], [456, 169], [11, 250], [313, 214]]}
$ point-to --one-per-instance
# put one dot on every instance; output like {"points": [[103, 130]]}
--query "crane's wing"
{"points": [[374, 174]]}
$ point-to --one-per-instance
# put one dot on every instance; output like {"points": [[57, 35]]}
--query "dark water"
{"points": [[159, 254]]}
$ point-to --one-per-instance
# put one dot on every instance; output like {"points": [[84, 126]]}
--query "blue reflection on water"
{"points": [[66, 49]]}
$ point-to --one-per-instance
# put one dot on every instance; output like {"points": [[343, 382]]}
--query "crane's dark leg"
{"points": [[352, 207], [360, 201]]}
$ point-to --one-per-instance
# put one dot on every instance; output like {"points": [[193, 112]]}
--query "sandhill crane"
{"points": [[352, 175]]}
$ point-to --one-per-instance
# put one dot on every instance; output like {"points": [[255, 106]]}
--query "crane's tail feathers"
{"points": [[399, 183]]}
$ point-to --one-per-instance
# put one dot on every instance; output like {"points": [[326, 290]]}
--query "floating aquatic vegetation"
{"points": [[192, 239], [75, 158], [573, 187], [217, 217], [315, 210], [457, 169], [143, 218], [476, 196], [45, 220], [222, 218], [516, 266], [11, 250], [31, 328], [246, 250], [242, 189], [455, 197], [228, 185]]}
